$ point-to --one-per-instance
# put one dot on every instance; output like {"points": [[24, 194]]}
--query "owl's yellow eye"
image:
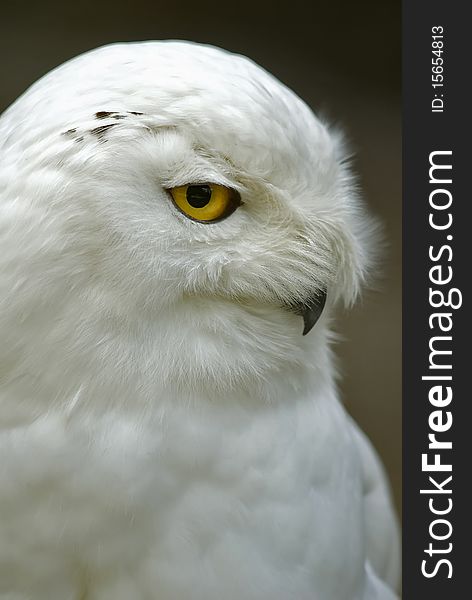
{"points": [[205, 202]]}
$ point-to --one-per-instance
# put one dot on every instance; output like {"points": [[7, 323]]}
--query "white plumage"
{"points": [[166, 431]]}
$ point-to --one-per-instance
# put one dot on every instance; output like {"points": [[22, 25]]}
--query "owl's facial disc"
{"points": [[310, 310]]}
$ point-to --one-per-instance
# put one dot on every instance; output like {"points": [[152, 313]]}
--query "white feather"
{"points": [[166, 432]]}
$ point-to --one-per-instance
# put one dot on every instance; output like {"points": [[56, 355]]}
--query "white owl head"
{"points": [[181, 185]]}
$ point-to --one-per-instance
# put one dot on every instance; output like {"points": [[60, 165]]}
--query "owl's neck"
{"points": [[253, 352], [231, 356]]}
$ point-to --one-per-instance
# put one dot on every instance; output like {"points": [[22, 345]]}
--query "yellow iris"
{"points": [[205, 202]]}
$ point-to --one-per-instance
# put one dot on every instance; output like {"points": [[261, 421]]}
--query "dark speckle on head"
{"points": [[70, 132], [103, 114], [100, 131], [106, 114]]}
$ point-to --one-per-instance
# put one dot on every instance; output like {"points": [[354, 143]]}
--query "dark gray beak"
{"points": [[311, 310]]}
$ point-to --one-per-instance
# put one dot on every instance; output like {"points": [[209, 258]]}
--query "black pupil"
{"points": [[198, 196]]}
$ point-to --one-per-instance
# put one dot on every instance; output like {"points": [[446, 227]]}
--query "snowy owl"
{"points": [[176, 227]]}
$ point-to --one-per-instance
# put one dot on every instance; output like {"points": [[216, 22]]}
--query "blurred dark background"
{"points": [[343, 59]]}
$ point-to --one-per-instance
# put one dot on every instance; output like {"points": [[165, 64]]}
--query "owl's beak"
{"points": [[310, 310]]}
